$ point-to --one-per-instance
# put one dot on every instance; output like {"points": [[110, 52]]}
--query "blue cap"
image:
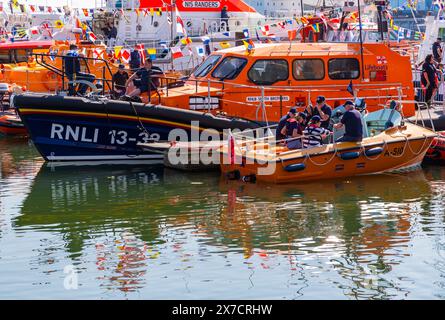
{"points": [[315, 119], [293, 110], [349, 103], [320, 99]]}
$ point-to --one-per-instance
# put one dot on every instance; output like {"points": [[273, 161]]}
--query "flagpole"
{"points": [[173, 24], [361, 39]]}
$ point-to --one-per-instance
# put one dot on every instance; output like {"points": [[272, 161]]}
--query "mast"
{"points": [[361, 39], [173, 25]]}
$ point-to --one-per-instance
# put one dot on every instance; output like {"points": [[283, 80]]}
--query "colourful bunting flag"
{"points": [[176, 52]]}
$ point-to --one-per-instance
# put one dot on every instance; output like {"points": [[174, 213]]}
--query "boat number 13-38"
{"points": [[121, 137]]}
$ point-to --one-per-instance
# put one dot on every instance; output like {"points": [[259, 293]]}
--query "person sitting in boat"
{"points": [[120, 79], [146, 79], [294, 130], [282, 123], [322, 109], [72, 71], [437, 50], [314, 134], [429, 78], [352, 122]]}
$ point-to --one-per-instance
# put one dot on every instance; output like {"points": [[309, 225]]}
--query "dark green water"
{"points": [[143, 232]]}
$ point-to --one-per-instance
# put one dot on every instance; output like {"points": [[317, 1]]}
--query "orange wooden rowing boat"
{"points": [[397, 148]]}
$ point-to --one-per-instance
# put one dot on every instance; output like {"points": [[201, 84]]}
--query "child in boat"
{"points": [[293, 130], [313, 135]]}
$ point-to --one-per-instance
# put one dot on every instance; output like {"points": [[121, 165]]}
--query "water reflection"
{"points": [[146, 224]]}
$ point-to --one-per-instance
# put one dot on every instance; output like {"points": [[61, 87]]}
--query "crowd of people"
{"points": [[311, 127]]}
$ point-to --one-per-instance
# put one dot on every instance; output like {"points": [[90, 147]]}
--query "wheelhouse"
{"points": [[20, 51], [265, 83]]}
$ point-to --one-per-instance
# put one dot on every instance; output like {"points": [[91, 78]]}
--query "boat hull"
{"points": [[76, 129], [436, 152], [346, 160], [11, 125]]}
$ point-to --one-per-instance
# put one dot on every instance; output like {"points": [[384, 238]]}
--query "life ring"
{"points": [[48, 80]]}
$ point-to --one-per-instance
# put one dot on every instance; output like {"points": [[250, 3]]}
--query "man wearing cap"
{"points": [[146, 79], [322, 110], [352, 122], [282, 123], [120, 79], [437, 50]]}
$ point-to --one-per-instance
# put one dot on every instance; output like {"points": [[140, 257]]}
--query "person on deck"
{"points": [[120, 79], [72, 71], [314, 134], [225, 17], [429, 78], [352, 122], [323, 110], [112, 35], [146, 79], [282, 123], [437, 50], [293, 131], [135, 59]]}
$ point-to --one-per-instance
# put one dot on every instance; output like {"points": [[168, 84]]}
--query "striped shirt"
{"points": [[313, 136]]}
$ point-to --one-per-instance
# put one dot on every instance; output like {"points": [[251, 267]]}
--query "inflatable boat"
{"points": [[74, 129], [436, 152]]}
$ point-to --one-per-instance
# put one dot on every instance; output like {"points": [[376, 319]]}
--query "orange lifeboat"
{"points": [[264, 83]]}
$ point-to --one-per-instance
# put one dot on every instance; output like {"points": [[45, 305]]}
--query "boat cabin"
{"points": [[20, 51], [265, 83]]}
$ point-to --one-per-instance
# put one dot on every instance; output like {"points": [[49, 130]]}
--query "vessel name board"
{"points": [[201, 4]]}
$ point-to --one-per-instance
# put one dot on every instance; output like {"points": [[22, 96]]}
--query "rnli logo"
{"points": [[201, 4]]}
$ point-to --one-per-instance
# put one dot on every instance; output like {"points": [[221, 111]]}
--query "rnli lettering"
{"points": [[201, 4], [73, 133], [92, 135], [398, 151], [268, 98]]}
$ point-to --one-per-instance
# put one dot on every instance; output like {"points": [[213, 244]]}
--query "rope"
{"points": [[142, 127], [319, 164], [421, 148], [404, 149]]}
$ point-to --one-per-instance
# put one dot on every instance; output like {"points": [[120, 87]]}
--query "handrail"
{"points": [[39, 58]]}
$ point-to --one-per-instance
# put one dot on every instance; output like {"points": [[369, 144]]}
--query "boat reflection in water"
{"points": [[348, 234]]}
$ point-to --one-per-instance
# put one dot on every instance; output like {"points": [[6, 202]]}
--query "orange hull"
{"points": [[11, 125], [327, 163]]}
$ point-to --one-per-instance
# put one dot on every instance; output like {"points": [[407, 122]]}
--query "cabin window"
{"points": [[229, 68], [203, 69], [343, 68], [308, 69], [21, 55], [4, 56], [267, 72]]}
